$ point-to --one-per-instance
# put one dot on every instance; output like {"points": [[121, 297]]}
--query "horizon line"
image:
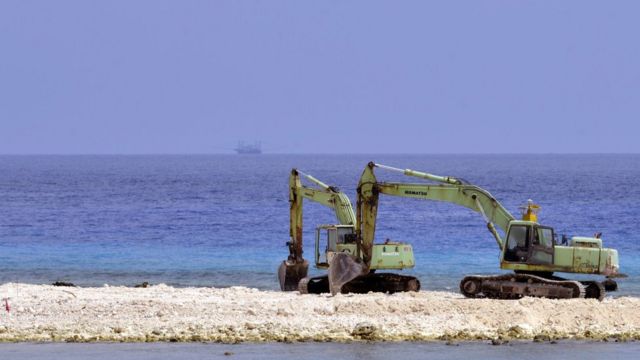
{"points": [[316, 153]]}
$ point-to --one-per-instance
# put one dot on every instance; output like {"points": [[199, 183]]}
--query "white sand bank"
{"points": [[163, 313]]}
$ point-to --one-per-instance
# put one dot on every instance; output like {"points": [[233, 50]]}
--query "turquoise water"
{"points": [[222, 220]]}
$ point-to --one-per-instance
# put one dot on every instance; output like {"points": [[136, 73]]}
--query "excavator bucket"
{"points": [[290, 274], [342, 269]]}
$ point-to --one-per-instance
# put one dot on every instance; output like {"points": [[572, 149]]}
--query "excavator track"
{"points": [[516, 286], [374, 282], [594, 290]]}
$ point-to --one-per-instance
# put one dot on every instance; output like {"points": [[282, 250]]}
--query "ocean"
{"points": [[573, 350], [222, 220]]}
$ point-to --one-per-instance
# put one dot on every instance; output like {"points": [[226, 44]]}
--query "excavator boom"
{"points": [[450, 190]]}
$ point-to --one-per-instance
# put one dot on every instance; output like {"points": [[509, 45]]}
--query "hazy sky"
{"points": [[319, 76]]}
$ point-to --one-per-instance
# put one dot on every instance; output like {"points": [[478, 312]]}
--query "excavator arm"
{"points": [[449, 190], [329, 196]]}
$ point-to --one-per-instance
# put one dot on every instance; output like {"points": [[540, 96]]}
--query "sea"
{"points": [[569, 350], [223, 220]]}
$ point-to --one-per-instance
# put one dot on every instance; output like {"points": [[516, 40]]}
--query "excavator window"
{"points": [[332, 239], [517, 244], [545, 236], [542, 251]]}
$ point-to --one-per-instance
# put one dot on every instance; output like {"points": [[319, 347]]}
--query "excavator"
{"points": [[341, 249], [528, 248]]}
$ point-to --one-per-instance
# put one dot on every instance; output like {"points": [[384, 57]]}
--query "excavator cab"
{"points": [[339, 238], [529, 243]]}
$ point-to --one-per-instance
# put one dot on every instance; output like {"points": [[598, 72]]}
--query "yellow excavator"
{"points": [[341, 248], [295, 267], [528, 248]]}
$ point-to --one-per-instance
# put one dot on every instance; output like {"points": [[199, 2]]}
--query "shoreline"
{"points": [[160, 313]]}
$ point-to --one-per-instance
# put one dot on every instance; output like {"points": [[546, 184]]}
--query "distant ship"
{"points": [[244, 148]]}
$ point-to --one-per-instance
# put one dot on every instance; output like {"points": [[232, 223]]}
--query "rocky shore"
{"points": [[237, 314]]}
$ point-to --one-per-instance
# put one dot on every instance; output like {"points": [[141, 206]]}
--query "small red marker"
{"points": [[6, 304]]}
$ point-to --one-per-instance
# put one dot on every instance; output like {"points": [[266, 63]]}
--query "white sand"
{"points": [[163, 313]]}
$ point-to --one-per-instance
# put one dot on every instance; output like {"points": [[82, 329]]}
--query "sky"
{"points": [[158, 77]]}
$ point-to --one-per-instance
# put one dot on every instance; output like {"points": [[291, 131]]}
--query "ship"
{"points": [[245, 148]]}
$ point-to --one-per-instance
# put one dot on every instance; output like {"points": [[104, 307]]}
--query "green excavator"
{"points": [[528, 248], [341, 248]]}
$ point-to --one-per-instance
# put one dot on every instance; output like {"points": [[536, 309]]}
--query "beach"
{"points": [[163, 313]]}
